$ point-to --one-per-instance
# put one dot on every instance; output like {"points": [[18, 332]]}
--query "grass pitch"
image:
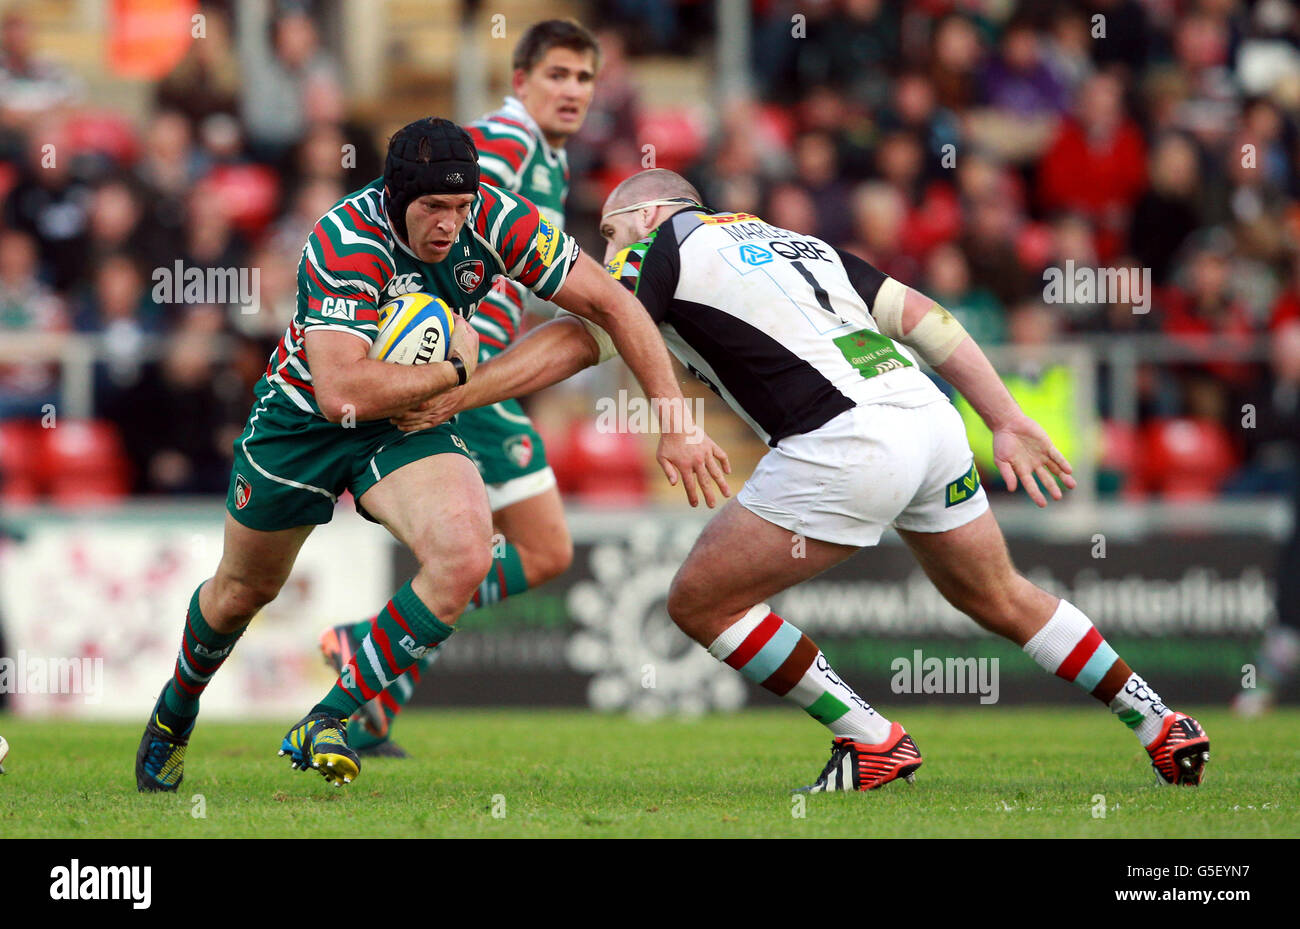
{"points": [[999, 772]]}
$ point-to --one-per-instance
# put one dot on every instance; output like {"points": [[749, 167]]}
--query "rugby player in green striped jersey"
{"points": [[320, 427], [521, 149]]}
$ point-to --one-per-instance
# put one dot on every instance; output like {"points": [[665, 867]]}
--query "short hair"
{"points": [[541, 37], [653, 184]]}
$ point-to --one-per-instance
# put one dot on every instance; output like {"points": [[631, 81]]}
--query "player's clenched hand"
{"points": [[697, 461], [1022, 450], [464, 342], [432, 412]]}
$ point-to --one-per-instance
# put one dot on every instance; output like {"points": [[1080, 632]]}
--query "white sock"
{"points": [[1140, 708], [774, 653]]}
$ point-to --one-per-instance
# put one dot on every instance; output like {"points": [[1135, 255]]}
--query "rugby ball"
{"points": [[414, 329]]}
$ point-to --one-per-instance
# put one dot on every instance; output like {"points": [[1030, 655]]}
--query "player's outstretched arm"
{"points": [[551, 353], [351, 386], [685, 453], [1021, 449]]}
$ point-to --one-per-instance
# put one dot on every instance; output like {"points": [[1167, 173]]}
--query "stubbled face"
{"points": [[434, 221], [622, 230], [557, 91]]}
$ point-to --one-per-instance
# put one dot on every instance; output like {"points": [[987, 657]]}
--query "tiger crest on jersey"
{"points": [[243, 492], [468, 275]]}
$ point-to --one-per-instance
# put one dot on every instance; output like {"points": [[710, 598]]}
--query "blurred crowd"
{"points": [[962, 146], [245, 146]]}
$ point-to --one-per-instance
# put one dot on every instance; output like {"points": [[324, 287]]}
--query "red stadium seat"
{"points": [[22, 460], [1120, 457], [250, 193], [85, 462], [778, 122], [676, 134], [1185, 458], [1034, 245], [599, 467], [105, 132], [8, 178]]}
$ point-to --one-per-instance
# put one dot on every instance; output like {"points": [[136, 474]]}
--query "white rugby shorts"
{"points": [[873, 466], [513, 491]]}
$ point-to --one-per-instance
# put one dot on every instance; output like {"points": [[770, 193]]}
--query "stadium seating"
{"points": [[1118, 468], [1186, 458], [21, 460], [677, 135], [599, 467], [85, 462], [76, 462], [250, 193]]}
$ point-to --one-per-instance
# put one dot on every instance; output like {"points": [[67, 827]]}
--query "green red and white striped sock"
{"points": [[1070, 647], [505, 579], [202, 652], [403, 633], [1140, 708], [772, 652]]}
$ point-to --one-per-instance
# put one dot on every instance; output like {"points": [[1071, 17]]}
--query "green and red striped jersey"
{"points": [[353, 263], [514, 155]]}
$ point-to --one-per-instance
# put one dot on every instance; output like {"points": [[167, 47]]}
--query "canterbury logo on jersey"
{"points": [[542, 180], [403, 284], [338, 308]]}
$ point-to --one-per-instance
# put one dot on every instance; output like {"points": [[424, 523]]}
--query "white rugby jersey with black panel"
{"points": [[775, 322]]}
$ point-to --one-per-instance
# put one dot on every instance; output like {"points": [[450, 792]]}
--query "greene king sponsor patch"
{"points": [[962, 489], [243, 492], [870, 352]]}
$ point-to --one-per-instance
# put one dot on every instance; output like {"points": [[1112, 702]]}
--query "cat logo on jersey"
{"points": [[726, 218], [547, 238], [469, 274]]}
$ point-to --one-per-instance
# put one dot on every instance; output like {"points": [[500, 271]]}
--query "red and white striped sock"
{"points": [[774, 653], [1070, 647]]}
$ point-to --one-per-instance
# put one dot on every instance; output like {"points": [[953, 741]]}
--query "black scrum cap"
{"points": [[429, 156]]}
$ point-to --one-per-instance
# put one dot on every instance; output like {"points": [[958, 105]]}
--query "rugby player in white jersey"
{"points": [[817, 350]]}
